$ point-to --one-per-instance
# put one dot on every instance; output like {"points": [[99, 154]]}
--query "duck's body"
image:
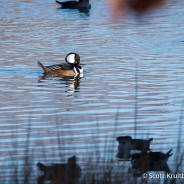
{"points": [[63, 69], [69, 69], [81, 4], [68, 173]]}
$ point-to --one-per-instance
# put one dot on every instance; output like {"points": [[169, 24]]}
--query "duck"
{"points": [[71, 68], [81, 4], [128, 143], [153, 156], [150, 161], [65, 173]]}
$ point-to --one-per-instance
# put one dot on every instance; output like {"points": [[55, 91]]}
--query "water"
{"points": [[50, 119]]}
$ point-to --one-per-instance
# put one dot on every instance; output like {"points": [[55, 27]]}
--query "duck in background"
{"points": [[81, 5]]}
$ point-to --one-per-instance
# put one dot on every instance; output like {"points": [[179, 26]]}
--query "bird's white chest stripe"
{"points": [[75, 70], [78, 71]]}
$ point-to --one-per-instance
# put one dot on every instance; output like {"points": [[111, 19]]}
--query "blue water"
{"points": [[55, 118]]}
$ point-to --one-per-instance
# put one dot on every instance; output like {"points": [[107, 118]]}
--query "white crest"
{"points": [[71, 58]]}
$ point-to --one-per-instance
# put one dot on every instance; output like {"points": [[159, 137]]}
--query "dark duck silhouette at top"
{"points": [[127, 143], [81, 5]]}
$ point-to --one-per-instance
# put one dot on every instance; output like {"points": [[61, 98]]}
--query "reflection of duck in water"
{"points": [[150, 161], [80, 5], [68, 173], [72, 83], [126, 144], [69, 69]]}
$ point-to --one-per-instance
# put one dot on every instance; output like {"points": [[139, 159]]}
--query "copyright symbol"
{"points": [[144, 175]]}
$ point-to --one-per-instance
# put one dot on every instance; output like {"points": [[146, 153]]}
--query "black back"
{"points": [[63, 66]]}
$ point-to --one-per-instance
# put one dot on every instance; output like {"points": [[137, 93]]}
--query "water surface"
{"points": [[50, 119]]}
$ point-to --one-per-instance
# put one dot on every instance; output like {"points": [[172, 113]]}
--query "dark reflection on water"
{"points": [[85, 10], [41, 122], [72, 83]]}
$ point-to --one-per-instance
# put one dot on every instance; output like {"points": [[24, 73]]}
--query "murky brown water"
{"points": [[53, 120]]}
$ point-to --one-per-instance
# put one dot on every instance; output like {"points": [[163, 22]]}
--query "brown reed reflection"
{"points": [[68, 173], [138, 6]]}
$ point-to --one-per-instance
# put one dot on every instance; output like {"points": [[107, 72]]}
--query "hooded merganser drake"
{"points": [[81, 4], [69, 69]]}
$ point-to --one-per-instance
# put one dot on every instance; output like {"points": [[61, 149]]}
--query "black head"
{"points": [[72, 160]]}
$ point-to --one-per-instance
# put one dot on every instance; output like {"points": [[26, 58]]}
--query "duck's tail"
{"points": [[42, 66], [58, 2], [168, 154]]}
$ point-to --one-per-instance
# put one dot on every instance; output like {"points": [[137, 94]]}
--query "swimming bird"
{"points": [[66, 173], [153, 156], [150, 161], [69, 69], [81, 4], [127, 143]]}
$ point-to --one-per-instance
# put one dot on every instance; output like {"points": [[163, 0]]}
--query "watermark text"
{"points": [[163, 175]]}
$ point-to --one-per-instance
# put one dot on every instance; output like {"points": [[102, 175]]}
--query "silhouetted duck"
{"points": [[153, 156], [81, 4], [127, 143], [68, 173], [150, 161], [69, 69]]}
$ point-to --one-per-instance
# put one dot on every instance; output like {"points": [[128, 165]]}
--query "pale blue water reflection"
{"points": [[35, 112]]}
